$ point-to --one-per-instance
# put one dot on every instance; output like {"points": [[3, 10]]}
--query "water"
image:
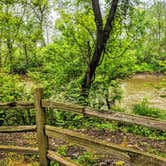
{"points": [[144, 86], [135, 90]]}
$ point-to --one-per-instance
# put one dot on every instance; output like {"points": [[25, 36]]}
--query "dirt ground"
{"points": [[117, 137]]}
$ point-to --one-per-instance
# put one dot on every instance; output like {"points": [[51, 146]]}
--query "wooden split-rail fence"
{"points": [[133, 156]]}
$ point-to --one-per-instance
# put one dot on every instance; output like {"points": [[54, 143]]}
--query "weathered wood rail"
{"points": [[16, 105], [135, 157], [107, 115]]}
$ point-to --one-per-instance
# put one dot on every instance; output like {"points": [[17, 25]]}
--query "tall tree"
{"points": [[102, 36], [40, 9]]}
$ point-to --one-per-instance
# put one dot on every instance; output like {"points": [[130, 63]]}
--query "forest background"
{"points": [[52, 44]]}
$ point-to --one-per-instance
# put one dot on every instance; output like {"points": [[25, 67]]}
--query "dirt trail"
{"points": [[133, 141]]}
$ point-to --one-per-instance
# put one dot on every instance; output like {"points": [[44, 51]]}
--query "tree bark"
{"points": [[10, 47], [26, 55], [102, 36], [0, 56]]}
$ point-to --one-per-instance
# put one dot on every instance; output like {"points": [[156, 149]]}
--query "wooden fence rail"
{"points": [[10, 148], [108, 115], [16, 105], [135, 157], [13, 129], [119, 152]]}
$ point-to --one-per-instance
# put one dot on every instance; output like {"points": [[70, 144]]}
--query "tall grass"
{"points": [[144, 109]]}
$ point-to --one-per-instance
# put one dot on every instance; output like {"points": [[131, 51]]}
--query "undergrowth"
{"points": [[14, 159], [144, 109], [72, 121]]}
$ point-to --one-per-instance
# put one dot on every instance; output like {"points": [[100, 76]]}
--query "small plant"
{"points": [[62, 150], [144, 109], [14, 159], [13, 90], [118, 109], [52, 163], [86, 159], [114, 94], [143, 131]]}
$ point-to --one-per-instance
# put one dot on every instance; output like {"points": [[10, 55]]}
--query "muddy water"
{"points": [[144, 86], [135, 90]]}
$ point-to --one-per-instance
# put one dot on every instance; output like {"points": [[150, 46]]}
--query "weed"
{"points": [[62, 150], [14, 159], [86, 159], [144, 109]]}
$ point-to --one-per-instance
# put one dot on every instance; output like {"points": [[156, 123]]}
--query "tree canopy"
{"points": [[93, 43]]}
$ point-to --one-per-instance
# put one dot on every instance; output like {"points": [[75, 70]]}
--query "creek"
{"points": [[150, 87], [141, 87]]}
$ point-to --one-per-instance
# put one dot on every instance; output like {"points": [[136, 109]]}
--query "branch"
{"points": [[19, 25], [97, 14], [108, 25], [77, 42], [102, 58], [88, 30], [125, 49]]}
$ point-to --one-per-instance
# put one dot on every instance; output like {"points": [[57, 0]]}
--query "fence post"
{"points": [[40, 124]]}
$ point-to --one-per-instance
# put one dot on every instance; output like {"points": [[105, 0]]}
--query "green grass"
{"points": [[144, 109]]}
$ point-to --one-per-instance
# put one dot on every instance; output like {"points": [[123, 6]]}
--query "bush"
{"points": [[12, 90]]}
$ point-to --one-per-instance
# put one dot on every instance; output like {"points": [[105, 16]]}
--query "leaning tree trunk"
{"points": [[102, 37]]}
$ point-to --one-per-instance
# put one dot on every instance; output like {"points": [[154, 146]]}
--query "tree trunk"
{"points": [[26, 55], [9, 47], [102, 37], [0, 56], [159, 27]]}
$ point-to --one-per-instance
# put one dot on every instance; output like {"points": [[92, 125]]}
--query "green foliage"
{"points": [[137, 44], [13, 90], [13, 159], [87, 159], [115, 91], [21, 33], [52, 163], [151, 51], [143, 67], [60, 66], [118, 109], [144, 109], [143, 131], [104, 93], [62, 150], [71, 121]]}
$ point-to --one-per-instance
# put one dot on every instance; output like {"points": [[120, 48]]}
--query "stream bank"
{"points": [[150, 87]]}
